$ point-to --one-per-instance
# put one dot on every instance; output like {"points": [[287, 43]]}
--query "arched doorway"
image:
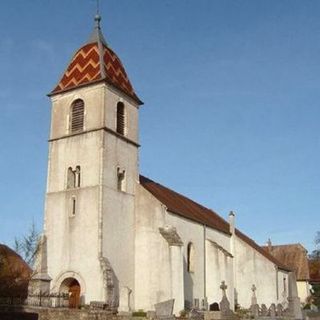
{"points": [[71, 287]]}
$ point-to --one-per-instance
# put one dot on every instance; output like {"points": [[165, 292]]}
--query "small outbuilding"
{"points": [[294, 256]]}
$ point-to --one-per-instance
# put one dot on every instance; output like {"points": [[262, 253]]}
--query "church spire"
{"points": [[95, 61], [96, 35]]}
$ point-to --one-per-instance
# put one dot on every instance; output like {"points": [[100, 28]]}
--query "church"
{"points": [[114, 236]]}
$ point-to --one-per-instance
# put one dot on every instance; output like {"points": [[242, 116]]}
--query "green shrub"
{"points": [[139, 313]]}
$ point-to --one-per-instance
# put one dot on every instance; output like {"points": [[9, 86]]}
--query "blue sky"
{"points": [[231, 114]]}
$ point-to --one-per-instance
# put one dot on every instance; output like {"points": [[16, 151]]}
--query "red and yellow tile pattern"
{"points": [[85, 68]]}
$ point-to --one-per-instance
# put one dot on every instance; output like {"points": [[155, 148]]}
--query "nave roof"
{"points": [[187, 208]]}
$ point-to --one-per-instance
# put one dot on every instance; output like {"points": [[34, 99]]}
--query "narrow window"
{"points": [[74, 178], [284, 286], [77, 116], [73, 206], [121, 179], [78, 176], [70, 179], [190, 257], [120, 118]]}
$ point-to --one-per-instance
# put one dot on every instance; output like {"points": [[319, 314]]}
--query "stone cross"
{"points": [[253, 298], [223, 287], [224, 304]]}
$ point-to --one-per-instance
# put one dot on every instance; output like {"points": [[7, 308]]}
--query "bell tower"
{"points": [[92, 176]]}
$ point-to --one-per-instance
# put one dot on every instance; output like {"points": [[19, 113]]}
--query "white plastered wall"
{"points": [[118, 206], [303, 290], [253, 268], [152, 274], [73, 240], [75, 243]]}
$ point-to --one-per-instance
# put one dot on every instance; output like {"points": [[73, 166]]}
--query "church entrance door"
{"points": [[71, 287], [74, 294]]}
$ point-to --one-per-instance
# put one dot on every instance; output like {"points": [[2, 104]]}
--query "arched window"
{"points": [[77, 116], [71, 178], [190, 257], [74, 178], [78, 176], [121, 176], [120, 128]]}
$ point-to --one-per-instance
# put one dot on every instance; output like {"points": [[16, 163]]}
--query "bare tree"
{"points": [[314, 269], [315, 254], [26, 246], [317, 240]]}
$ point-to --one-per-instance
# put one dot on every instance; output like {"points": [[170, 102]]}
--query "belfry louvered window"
{"points": [[77, 116], [121, 118]]}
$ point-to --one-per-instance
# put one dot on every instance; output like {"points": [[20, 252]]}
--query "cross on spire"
{"points": [[97, 17], [98, 7]]}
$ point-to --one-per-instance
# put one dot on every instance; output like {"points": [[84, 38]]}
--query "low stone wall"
{"points": [[31, 313], [311, 315], [18, 316]]}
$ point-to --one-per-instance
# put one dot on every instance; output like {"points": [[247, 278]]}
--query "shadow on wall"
{"points": [[188, 286], [18, 316]]}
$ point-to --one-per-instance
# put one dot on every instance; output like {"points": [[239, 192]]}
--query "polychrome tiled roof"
{"points": [[93, 62]]}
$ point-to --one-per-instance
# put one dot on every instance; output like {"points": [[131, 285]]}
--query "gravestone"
{"points": [[254, 297], [196, 304], [264, 310], [188, 305], [225, 312], [196, 314], [164, 310], [272, 311], [279, 310], [254, 310], [204, 304], [224, 303]]}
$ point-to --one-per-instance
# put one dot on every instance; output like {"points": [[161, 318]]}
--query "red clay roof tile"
{"points": [[187, 208], [85, 68], [292, 255]]}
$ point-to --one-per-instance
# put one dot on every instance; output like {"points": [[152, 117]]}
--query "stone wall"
{"points": [[28, 313]]}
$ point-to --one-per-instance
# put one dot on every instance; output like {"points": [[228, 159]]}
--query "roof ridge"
{"points": [[262, 250], [162, 198], [291, 245], [181, 195]]}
